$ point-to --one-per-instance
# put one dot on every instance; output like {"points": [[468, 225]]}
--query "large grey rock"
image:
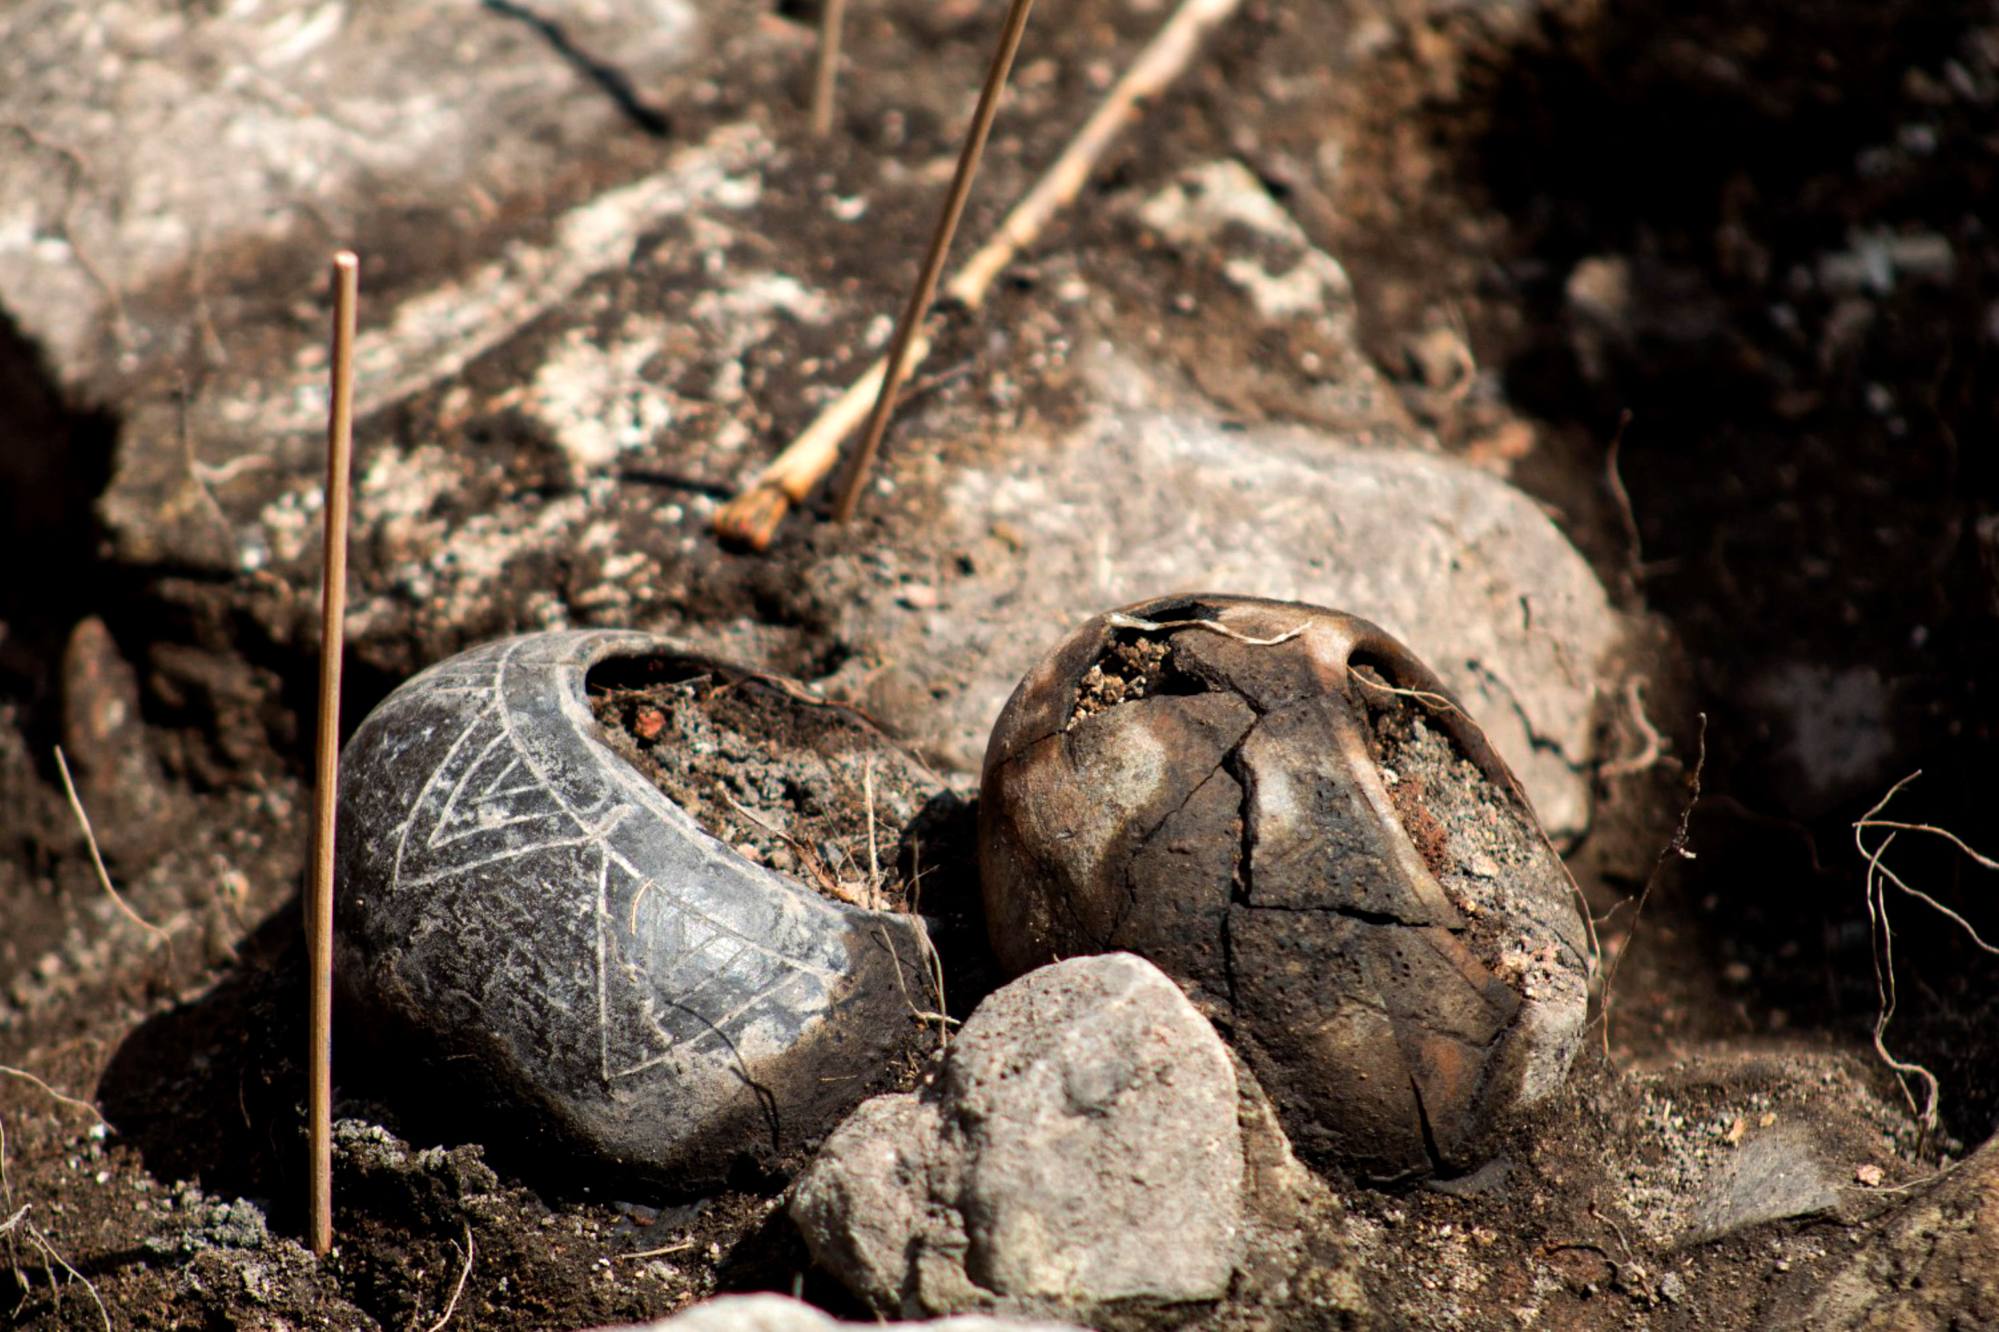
{"points": [[517, 899], [174, 177], [775, 1313], [1138, 503], [1932, 1262], [1081, 1155], [167, 137]]}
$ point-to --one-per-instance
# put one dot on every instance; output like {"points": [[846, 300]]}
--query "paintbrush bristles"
{"points": [[751, 518]]}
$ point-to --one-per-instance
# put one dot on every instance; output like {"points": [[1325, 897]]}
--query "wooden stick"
{"points": [[1157, 68], [332, 638], [753, 516], [914, 313], [826, 66]]}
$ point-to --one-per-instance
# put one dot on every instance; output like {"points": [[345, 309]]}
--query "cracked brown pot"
{"points": [[1285, 810]]}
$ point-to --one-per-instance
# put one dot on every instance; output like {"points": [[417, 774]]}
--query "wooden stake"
{"points": [[753, 516], [826, 67], [332, 637], [933, 263]]}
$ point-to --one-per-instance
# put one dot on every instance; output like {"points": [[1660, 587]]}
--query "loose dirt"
{"points": [[810, 789]]}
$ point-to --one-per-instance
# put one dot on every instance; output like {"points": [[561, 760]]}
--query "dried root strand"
{"points": [[1429, 698], [1874, 887], [944, 1021], [97, 857], [70, 1101], [1676, 848], [50, 1255], [451, 1306], [1120, 620]]}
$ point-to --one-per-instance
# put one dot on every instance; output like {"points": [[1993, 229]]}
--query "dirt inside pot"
{"points": [[1478, 842], [810, 789], [1133, 667]]}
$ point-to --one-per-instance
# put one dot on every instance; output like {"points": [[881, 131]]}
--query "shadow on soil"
{"points": [[1759, 230]]}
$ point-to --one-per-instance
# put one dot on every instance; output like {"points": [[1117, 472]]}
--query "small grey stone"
{"points": [[860, 1214], [776, 1313], [1488, 1178], [1081, 1152], [1770, 1177]]}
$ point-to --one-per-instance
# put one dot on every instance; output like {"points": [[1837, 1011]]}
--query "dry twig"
{"points": [[97, 858], [752, 517]]}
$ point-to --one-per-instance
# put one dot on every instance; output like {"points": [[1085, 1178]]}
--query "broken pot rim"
{"points": [[1351, 640]]}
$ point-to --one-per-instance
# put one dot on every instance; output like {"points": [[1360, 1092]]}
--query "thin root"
{"points": [[944, 1021], [1651, 751], [1119, 620], [49, 1253], [97, 858], [26, 1076], [451, 1306], [1429, 698], [1874, 888], [1675, 848]]}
